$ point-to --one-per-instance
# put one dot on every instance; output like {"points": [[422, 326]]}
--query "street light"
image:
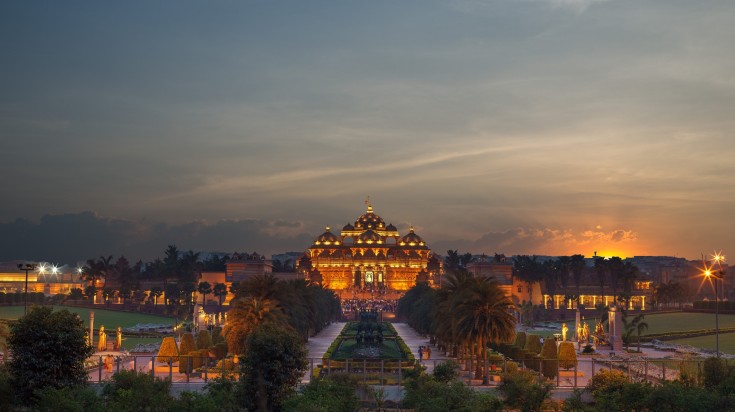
{"points": [[27, 267], [714, 276]]}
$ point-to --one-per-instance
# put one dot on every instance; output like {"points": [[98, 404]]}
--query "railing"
{"points": [[191, 369]]}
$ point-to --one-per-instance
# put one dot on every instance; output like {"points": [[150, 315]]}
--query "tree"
{"points": [[173, 294], [273, 365], [90, 291], [187, 346], [220, 291], [107, 293], [137, 391], [248, 314], [156, 292], [576, 266], [483, 316], [49, 349], [550, 358], [634, 325], [527, 269], [168, 352], [205, 288], [567, 355], [76, 294], [522, 392], [187, 291], [601, 270]]}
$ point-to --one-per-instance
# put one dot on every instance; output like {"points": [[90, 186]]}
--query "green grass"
{"points": [[109, 318], [680, 322], [389, 350], [129, 343], [662, 323], [727, 342]]}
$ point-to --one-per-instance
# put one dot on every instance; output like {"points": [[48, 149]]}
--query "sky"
{"points": [[543, 127]]}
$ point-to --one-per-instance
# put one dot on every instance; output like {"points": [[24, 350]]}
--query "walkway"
{"points": [[413, 340], [318, 345]]}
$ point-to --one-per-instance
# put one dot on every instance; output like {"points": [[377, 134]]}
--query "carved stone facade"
{"points": [[370, 255]]}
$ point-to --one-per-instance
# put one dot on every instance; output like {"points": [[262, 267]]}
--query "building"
{"points": [[500, 268], [46, 278], [369, 255]]}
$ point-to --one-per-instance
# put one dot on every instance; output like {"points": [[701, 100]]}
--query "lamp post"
{"points": [[717, 258], [27, 267]]}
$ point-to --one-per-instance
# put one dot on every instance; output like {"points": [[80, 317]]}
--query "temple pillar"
{"points": [[615, 321]]}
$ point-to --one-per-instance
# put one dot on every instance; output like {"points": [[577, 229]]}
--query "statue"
{"points": [[118, 340], [586, 333], [102, 343], [599, 336], [564, 330]]}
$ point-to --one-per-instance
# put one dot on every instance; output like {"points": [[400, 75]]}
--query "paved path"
{"points": [[413, 340], [318, 345]]}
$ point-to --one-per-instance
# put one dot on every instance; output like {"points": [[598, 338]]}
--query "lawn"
{"points": [[389, 350], [680, 322], [727, 342], [109, 318], [661, 323]]}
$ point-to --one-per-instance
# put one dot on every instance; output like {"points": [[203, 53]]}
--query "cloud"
{"points": [[545, 241], [74, 237]]}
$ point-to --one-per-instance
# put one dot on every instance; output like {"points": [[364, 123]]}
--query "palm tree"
{"points": [[484, 316], [576, 266], [156, 292], [636, 324], [527, 269], [246, 315], [107, 293], [205, 289], [261, 286], [552, 273], [601, 269], [187, 291], [220, 291], [615, 270], [97, 269], [642, 326]]}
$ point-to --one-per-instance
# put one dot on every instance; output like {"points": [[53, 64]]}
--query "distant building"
{"points": [[46, 278]]}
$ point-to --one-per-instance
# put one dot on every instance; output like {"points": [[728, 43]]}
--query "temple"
{"points": [[370, 256]]}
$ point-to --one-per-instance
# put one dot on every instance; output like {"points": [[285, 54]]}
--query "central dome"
{"points": [[369, 220]]}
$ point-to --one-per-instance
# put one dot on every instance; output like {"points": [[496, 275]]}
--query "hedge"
{"points": [[550, 364], [567, 355], [533, 344], [520, 340]]}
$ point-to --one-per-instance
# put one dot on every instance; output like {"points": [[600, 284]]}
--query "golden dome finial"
{"points": [[327, 229], [369, 205]]}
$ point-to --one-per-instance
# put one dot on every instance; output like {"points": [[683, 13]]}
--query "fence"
{"points": [[191, 369]]}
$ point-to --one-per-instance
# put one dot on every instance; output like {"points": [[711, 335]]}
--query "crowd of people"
{"points": [[357, 305]]}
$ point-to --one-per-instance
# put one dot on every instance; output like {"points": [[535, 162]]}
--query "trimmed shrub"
{"points": [[550, 357], [204, 356], [567, 355], [533, 362], [520, 340], [446, 371], [204, 339], [187, 346], [217, 335], [219, 350], [169, 352], [533, 344], [195, 360]]}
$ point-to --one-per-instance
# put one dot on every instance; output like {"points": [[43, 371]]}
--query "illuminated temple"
{"points": [[370, 255]]}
